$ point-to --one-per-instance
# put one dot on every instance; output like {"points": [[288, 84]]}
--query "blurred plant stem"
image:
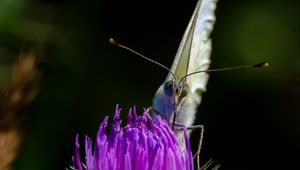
{"points": [[14, 100]]}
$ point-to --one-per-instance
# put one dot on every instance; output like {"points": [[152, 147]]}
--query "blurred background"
{"points": [[251, 117]]}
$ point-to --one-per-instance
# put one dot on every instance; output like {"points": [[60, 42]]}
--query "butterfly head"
{"points": [[178, 90]]}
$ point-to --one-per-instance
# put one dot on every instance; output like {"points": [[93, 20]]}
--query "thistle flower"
{"points": [[142, 144]]}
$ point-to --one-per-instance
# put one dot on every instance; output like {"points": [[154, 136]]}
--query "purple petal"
{"points": [[77, 155], [141, 144]]}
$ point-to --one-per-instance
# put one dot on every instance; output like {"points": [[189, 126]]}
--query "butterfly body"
{"points": [[180, 94]]}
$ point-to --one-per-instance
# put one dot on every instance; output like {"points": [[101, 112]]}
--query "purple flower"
{"points": [[141, 145]]}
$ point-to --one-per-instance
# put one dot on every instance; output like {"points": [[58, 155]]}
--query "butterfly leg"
{"points": [[199, 147], [155, 112], [181, 127]]}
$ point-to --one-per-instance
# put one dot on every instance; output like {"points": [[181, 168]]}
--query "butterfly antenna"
{"points": [[259, 65], [114, 42]]}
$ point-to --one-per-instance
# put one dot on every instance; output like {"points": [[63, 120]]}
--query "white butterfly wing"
{"points": [[194, 49], [201, 46], [201, 25], [196, 40]]}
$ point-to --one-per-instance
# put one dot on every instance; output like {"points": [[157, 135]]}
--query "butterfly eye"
{"points": [[177, 91], [185, 91], [168, 88]]}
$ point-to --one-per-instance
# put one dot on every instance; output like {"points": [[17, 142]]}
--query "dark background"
{"points": [[251, 117]]}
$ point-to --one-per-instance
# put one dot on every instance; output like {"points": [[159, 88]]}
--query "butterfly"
{"points": [[177, 99]]}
